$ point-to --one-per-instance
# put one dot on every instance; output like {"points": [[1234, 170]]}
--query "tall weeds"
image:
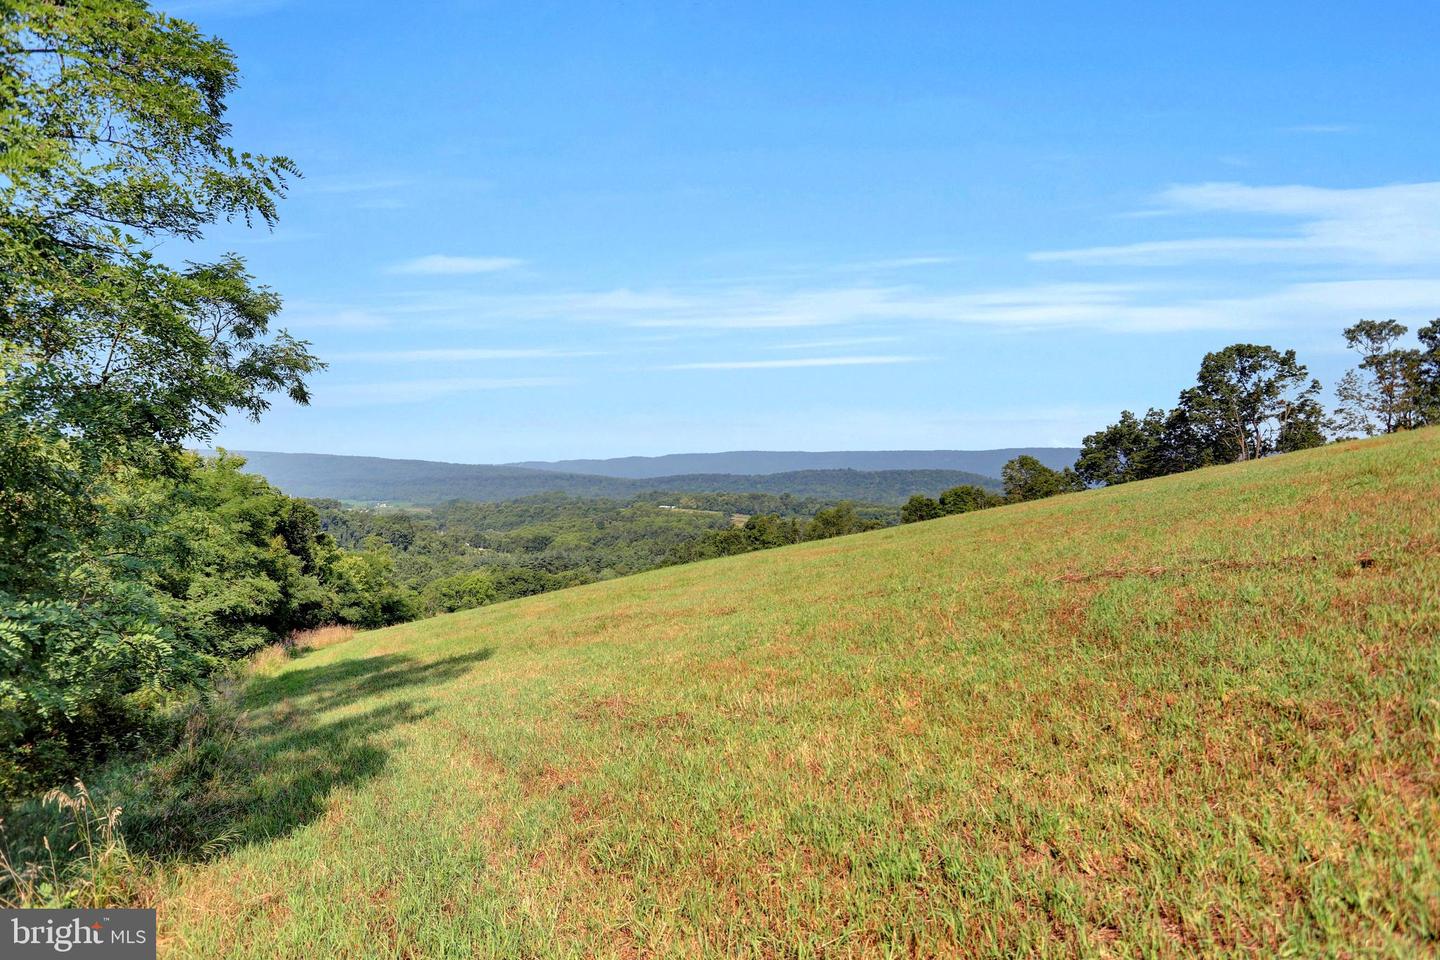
{"points": [[320, 637], [94, 870]]}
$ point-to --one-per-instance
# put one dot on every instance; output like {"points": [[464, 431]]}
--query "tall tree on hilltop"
{"points": [[1305, 426], [1249, 401], [1384, 393], [1250, 396]]}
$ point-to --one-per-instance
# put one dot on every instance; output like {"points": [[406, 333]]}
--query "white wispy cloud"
{"points": [[1391, 225], [833, 343], [751, 309], [1381, 246], [418, 391], [1321, 128], [791, 362], [1319, 305], [439, 264], [1109, 307], [903, 263], [740, 310], [448, 354]]}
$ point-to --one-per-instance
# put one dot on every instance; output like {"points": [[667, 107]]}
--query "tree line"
{"points": [[767, 530], [1248, 401], [1252, 401]]}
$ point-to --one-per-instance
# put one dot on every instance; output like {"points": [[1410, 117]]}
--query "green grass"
{"points": [[1199, 715]]}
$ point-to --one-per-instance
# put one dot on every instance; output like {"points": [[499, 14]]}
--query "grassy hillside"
{"points": [[1194, 715], [379, 479]]}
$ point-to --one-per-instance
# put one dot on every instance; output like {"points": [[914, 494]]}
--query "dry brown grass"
{"points": [[270, 658], [320, 637], [267, 659]]}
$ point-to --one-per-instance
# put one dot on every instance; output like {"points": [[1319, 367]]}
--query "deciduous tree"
{"points": [[1129, 449], [965, 498], [1026, 478], [919, 507], [1246, 395], [1385, 393]]}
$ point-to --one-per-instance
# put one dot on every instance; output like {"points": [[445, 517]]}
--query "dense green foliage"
{"points": [[788, 505], [763, 531], [965, 498], [126, 570], [131, 571], [1252, 401], [919, 508], [178, 574], [576, 540], [1026, 478], [870, 486], [114, 138]]}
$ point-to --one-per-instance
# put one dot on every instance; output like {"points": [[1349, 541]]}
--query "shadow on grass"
{"points": [[270, 771]]}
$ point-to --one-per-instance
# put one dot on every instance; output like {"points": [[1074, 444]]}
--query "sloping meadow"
{"points": [[1193, 715]]}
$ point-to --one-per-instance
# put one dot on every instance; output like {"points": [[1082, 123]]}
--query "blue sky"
{"points": [[545, 230]]}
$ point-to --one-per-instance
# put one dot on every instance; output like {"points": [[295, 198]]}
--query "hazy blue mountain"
{"points": [[377, 479], [416, 481], [984, 462]]}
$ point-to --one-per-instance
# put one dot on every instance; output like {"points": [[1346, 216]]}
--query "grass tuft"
{"points": [[93, 870]]}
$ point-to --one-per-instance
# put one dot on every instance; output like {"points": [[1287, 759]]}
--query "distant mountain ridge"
{"points": [[759, 462], [379, 479]]}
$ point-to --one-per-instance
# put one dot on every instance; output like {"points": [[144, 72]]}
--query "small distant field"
{"points": [[1192, 716]]}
